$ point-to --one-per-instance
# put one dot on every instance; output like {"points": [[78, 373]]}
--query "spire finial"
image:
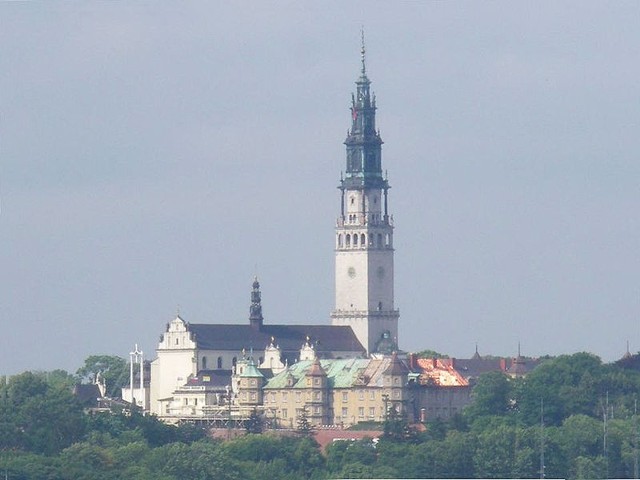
{"points": [[362, 52]]}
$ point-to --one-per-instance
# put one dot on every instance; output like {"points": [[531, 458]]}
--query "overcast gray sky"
{"points": [[158, 154]]}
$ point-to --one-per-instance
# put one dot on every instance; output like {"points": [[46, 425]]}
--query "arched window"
{"points": [[371, 239], [348, 240], [379, 240], [387, 240], [219, 362], [204, 363], [363, 240], [340, 240], [355, 239]]}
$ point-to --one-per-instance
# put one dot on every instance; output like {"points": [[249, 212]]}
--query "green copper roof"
{"points": [[251, 371], [342, 373]]}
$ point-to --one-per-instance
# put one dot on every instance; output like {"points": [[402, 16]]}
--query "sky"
{"points": [[155, 156]]}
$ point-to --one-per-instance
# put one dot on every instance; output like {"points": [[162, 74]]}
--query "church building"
{"points": [[364, 323]]}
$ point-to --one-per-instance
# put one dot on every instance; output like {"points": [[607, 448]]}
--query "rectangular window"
{"points": [[285, 413], [361, 395], [285, 397], [372, 395], [316, 395], [345, 412], [316, 381], [316, 410], [297, 397], [396, 394], [195, 401], [345, 396], [361, 412], [186, 401], [372, 412]]}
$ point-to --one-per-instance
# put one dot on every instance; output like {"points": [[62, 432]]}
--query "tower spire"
{"points": [[362, 52], [364, 230], [255, 310]]}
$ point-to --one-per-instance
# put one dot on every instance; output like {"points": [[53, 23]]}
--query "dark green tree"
{"points": [[254, 423], [303, 426], [492, 395], [114, 370]]}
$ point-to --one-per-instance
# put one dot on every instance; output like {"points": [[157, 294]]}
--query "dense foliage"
{"points": [[573, 414]]}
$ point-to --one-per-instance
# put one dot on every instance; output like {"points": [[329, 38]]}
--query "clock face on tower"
{"points": [[351, 272]]}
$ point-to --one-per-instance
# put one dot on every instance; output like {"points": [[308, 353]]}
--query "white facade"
{"points": [[175, 362]]}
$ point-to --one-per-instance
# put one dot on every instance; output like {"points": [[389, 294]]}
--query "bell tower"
{"points": [[364, 231]]}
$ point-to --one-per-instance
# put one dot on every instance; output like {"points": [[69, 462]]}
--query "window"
{"points": [[254, 382], [316, 410], [396, 381], [285, 413], [396, 394], [372, 395], [204, 363], [316, 381], [219, 362], [195, 401], [363, 239], [285, 397], [186, 401], [253, 395], [308, 382], [345, 396], [345, 412], [372, 412], [361, 395], [297, 397], [316, 395], [361, 412]]}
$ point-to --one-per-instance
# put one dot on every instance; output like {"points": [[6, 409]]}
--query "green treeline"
{"points": [[588, 430]]}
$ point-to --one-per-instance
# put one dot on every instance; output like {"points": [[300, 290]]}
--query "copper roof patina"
{"points": [[341, 373]]}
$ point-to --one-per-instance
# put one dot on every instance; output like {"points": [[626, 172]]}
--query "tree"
{"points": [[303, 426], [114, 371], [254, 423], [37, 417], [491, 396]]}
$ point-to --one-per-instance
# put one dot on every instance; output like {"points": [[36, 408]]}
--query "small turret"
{"points": [[251, 382], [307, 352], [255, 310]]}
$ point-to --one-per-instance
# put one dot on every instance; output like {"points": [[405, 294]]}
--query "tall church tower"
{"points": [[364, 232]]}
